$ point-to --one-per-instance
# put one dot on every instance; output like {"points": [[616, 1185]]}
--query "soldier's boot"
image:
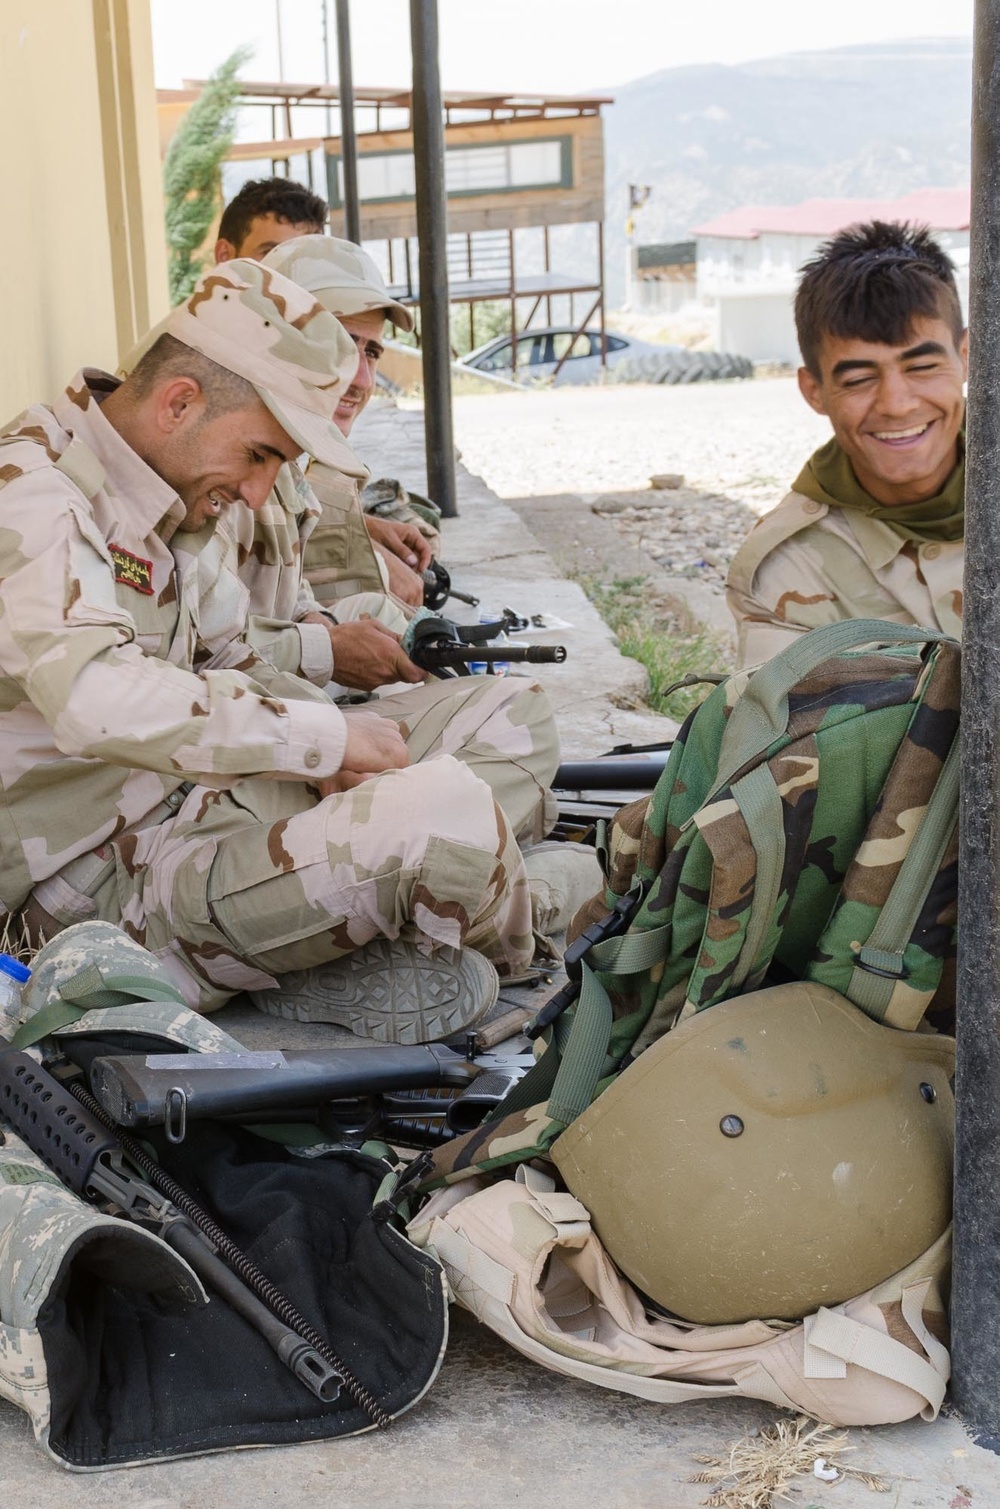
{"points": [[561, 877], [390, 991]]}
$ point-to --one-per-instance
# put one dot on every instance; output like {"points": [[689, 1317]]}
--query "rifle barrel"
{"points": [[610, 775]]}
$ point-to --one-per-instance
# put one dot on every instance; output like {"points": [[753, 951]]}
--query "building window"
{"points": [[487, 169]]}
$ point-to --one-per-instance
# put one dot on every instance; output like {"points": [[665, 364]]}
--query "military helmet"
{"points": [[772, 1154]]}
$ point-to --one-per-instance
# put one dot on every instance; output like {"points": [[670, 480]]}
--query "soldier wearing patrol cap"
{"points": [[874, 525], [265, 213], [227, 815]]}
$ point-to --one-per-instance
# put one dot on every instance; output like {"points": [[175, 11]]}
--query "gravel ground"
{"points": [[737, 445]]}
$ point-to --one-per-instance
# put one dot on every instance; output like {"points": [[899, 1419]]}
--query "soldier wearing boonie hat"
{"points": [[219, 810], [340, 559]]}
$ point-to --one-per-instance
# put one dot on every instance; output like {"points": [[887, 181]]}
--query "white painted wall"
{"points": [[752, 281]]}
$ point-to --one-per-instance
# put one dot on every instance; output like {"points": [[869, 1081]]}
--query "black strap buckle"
{"points": [[612, 926]]}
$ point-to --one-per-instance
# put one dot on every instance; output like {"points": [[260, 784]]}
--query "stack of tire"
{"points": [[681, 367]]}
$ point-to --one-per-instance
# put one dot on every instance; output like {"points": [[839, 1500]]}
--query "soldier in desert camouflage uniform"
{"points": [[250, 580], [375, 554], [874, 524], [219, 809]]}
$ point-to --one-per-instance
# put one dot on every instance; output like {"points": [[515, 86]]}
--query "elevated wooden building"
{"points": [[512, 162]]}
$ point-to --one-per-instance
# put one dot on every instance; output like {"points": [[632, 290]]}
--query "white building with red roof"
{"points": [[748, 260]]}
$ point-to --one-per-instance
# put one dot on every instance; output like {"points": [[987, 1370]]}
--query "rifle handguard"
{"points": [[51, 1121]]}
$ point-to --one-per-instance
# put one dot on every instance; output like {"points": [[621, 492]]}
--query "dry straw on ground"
{"points": [[762, 1464]]}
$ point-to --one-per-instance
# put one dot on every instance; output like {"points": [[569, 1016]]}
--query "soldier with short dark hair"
{"points": [[265, 212], [227, 815], [874, 525]]}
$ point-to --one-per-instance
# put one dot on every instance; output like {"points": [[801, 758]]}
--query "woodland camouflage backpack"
{"points": [[804, 828]]}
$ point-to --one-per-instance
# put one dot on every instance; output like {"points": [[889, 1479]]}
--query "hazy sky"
{"points": [[554, 45]]}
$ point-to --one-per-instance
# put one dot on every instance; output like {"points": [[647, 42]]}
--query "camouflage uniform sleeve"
{"points": [[300, 649], [289, 644], [770, 594], [267, 676], [69, 644]]}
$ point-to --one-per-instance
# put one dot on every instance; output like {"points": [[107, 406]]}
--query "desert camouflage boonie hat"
{"points": [[343, 278]]}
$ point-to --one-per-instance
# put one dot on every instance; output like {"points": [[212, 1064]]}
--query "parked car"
{"points": [[539, 353]]}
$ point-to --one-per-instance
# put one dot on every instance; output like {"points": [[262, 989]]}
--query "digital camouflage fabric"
{"points": [[109, 1341], [821, 857]]}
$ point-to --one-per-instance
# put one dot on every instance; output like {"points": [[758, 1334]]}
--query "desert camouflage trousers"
{"points": [[246, 884]]}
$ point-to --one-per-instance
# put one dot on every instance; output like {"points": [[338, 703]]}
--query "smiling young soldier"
{"points": [[227, 815], [874, 524]]}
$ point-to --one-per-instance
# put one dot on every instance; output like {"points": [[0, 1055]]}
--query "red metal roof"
{"points": [[941, 209]]}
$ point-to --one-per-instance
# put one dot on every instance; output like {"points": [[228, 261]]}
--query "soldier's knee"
{"points": [[437, 798]]}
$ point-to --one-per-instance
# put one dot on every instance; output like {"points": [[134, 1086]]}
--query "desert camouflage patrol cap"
{"points": [[343, 278], [269, 330]]}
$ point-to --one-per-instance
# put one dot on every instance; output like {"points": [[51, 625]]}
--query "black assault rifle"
{"points": [[448, 649], [71, 1133], [438, 588], [364, 1090]]}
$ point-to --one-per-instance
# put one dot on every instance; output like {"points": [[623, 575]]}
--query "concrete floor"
{"points": [[497, 1430]]}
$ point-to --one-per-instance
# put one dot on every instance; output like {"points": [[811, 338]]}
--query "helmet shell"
{"points": [[770, 1155]]}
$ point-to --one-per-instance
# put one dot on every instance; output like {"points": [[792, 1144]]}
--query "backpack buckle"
{"points": [[612, 926]]}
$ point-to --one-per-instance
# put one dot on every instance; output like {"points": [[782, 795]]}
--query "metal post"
{"points": [[326, 65], [600, 279], [348, 140], [976, 1289], [428, 155]]}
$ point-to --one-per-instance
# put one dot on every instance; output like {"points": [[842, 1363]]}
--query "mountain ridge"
{"points": [[868, 120]]}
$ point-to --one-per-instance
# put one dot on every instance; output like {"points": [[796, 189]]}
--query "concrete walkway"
{"points": [[496, 1430], [491, 553]]}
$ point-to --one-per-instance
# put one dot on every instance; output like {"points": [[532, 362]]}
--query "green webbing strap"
{"points": [[536, 1086], [584, 1058], [601, 846], [759, 801], [85, 991], [761, 714], [565, 1075], [586, 1052], [887, 942]]}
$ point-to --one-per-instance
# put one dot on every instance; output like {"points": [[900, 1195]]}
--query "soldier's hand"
{"points": [[373, 746], [402, 540], [366, 654], [403, 583]]}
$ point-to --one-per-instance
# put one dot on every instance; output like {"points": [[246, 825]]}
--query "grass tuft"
{"points": [[648, 630]]}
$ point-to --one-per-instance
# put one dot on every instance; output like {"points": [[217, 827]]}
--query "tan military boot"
{"points": [[561, 877], [389, 991]]}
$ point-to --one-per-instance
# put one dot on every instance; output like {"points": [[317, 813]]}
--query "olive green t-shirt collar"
{"points": [[828, 477]]}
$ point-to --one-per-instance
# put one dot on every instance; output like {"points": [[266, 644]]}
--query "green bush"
{"points": [[191, 177]]}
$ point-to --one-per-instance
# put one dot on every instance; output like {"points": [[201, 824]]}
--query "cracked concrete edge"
{"points": [[587, 543]]}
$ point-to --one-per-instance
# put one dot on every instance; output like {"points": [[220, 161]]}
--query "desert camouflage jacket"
{"points": [[250, 570], [805, 564], [340, 560], [109, 696], [250, 580]]}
